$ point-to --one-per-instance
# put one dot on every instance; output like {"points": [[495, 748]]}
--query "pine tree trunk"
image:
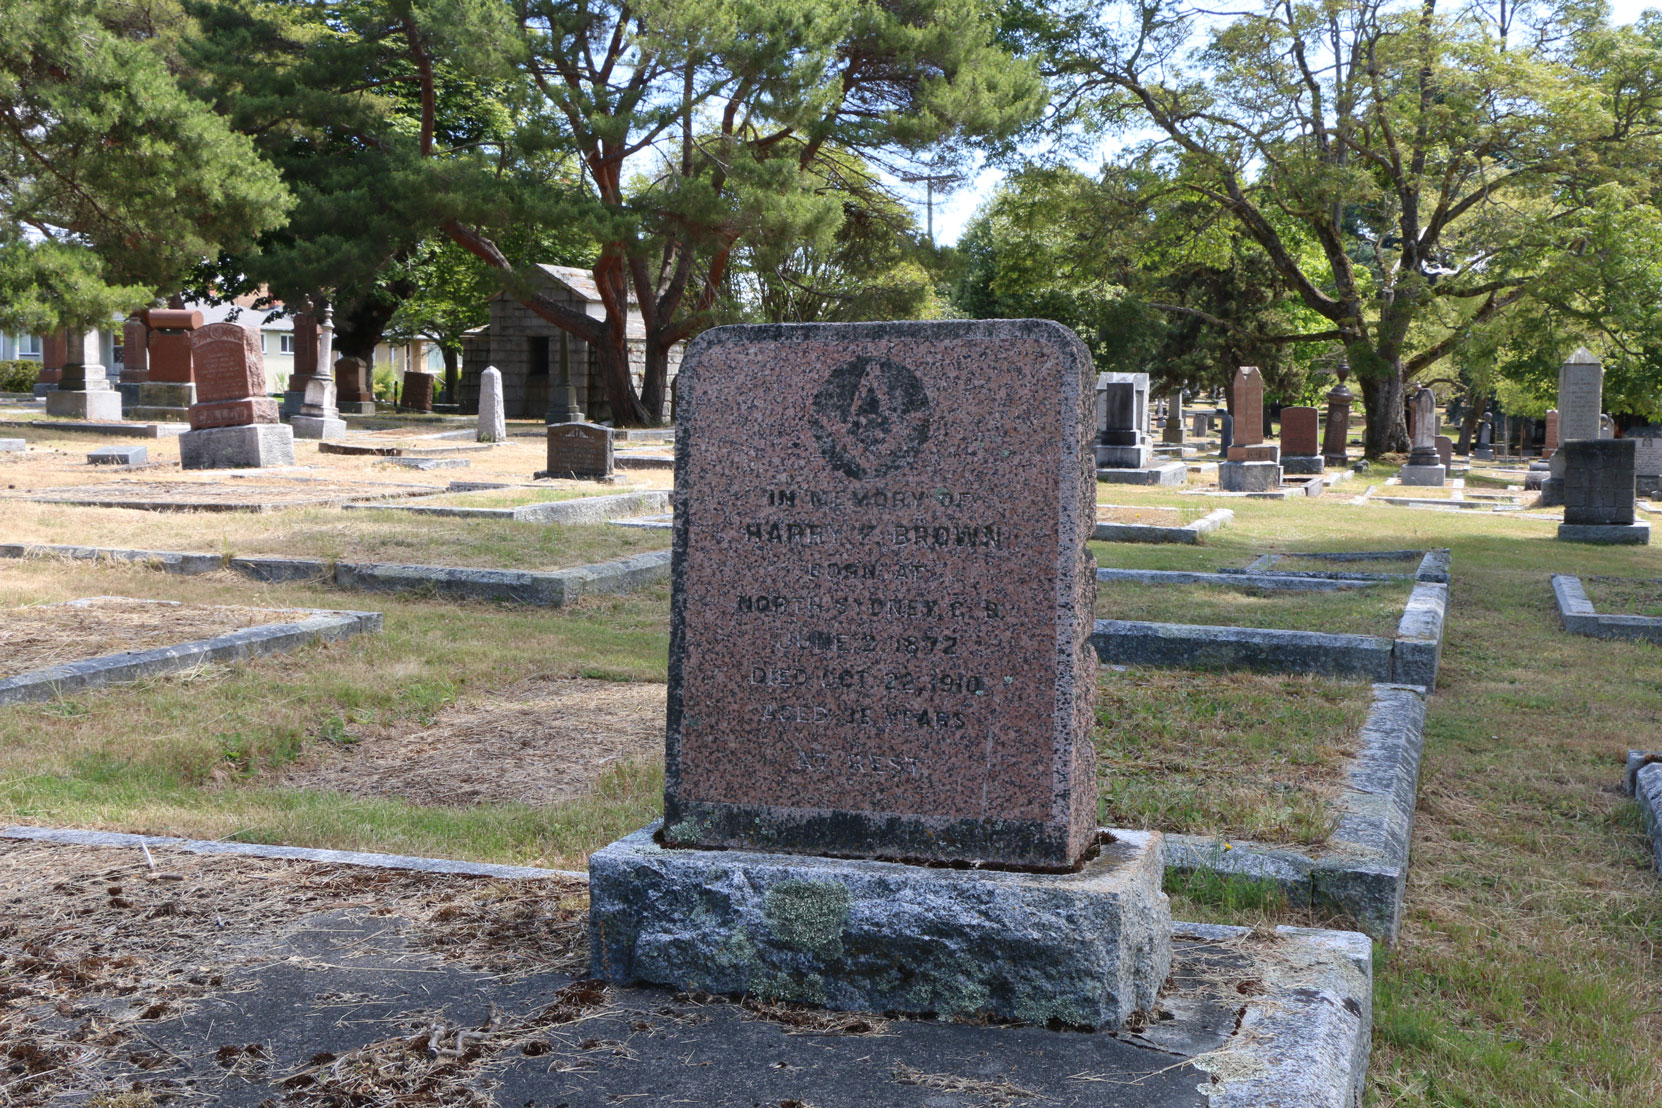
{"points": [[655, 385], [627, 410]]}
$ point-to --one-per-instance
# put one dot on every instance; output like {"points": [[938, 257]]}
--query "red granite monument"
{"points": [[1301, 440], [233, 423], [880, 639], [880, 661]]}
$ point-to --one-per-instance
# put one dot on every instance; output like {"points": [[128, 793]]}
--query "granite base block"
{"points": [[248, 447], [1302, 464], [1249, 476], [317, 427], [1169, 474], [1606, 534], [1552, 492], [1424, 476], [1086, 949], [119, 456], [103, 404], [1123, 457]]}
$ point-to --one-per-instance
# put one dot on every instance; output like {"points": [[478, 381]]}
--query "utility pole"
{"points": [[928, 180]]}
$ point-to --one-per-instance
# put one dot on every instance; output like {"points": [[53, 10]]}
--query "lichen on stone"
{"points": [[808, 916]]}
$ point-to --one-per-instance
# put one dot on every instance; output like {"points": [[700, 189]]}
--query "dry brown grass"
{"points": [[537, 742], [41, 635]]}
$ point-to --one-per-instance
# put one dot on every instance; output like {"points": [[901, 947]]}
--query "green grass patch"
{"points": [[1624, 596], [1373, 610], [1229, 755]]}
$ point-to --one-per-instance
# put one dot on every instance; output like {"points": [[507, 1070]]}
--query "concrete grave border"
{"points": [[1411, 657], [162, 430], [1434, 564], [1643, 782], [1575, 612], [582, 509], [318, 625], [1362, 868], [552, 588], [1302, 1040], [1148, 532]]}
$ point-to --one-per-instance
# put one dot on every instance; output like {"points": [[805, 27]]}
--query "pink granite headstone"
{"points": [[1551, 443], [1248, 389], [882, 595], [135, 350], [1300, 432], [230, 378]]}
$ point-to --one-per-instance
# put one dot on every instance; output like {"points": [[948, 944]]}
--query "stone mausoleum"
{"points": [[535, 356]]}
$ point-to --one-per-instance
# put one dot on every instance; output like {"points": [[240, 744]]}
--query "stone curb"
{"points": [[1362, 869], [1240, 579], [1304, 1040], [1644, 784], [132, 430], [586, 509], [169, 561], [1575, 612], [1434, 564], [1262, 649], [553, 588], [289, 853], [251, 642], [1144, 532], [1418, 650]]}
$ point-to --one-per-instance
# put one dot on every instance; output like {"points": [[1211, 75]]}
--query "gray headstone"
{"points": [[579, 450], [1580, 396], [1647, 451], [492, 425], [1598, 481]]}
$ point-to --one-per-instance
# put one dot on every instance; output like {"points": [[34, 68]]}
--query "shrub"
{"points": [[19, 375]]}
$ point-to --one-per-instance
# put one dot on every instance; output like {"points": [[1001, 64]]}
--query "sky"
{"points": [[954, 211]]}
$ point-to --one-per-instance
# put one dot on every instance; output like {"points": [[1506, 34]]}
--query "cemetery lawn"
{"points": [[1526, 972], [1227, 755], [332, 534], [1624, 596], [1372, 610]]}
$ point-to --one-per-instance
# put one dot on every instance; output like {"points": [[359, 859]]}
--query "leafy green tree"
{"points": [[113, 182], [1153, 281], [870, 266], [1410, 174], [700, 124]]}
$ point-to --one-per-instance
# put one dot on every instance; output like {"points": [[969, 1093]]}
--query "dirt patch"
{"points": [[539, 742], [96, 944], [44, 635], [1152, 517]]}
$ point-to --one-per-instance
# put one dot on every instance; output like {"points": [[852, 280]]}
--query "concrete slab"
{"points": [[119, 456], [1169, 474], [359, 1004]]}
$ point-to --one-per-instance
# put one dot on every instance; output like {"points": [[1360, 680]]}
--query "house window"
{"points": [[285, 344], [28, 346], [262, 342]]}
